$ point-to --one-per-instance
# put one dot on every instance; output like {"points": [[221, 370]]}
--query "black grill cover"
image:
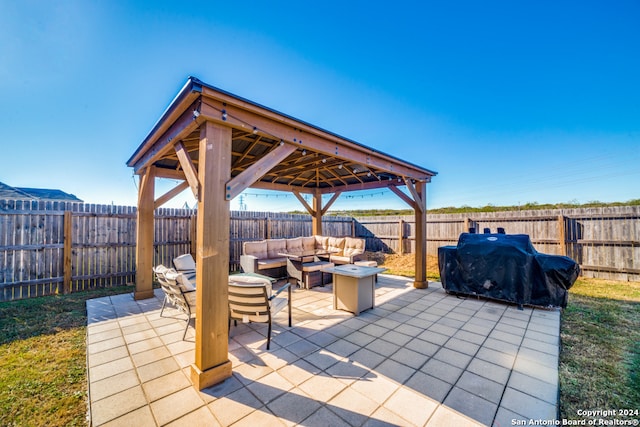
{"points": [[506, 267]]}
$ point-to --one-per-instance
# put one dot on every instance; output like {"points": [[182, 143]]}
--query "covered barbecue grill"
{"points": [[506, 267]]}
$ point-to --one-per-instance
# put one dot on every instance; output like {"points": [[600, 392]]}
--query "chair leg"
{"points": [[269, 335], [289, 304], [164, 303], [186, 328]]}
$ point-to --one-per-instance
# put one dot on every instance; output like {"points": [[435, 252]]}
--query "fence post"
{"points": [[267, 228], [193, 233], [401, 236], [562, 235], [66, 252]]}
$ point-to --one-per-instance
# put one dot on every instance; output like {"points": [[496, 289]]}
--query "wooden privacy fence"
{"points": [[604, 241], [56, 247]]}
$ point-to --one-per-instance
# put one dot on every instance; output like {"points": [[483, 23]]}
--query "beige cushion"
{"points": [[276, 246], [267, 263], [184, 262], [336, 245], [257, 249], [308, 243], [321, 241], [316, 266], [353, 246], [250, 280], [340, 259], [366, 263], [295, 244]]}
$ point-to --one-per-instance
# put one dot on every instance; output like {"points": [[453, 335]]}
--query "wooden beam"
{"points": [[414, 193], [245, 115], [170, 173], [190, 98], [330, 202], [421, 236], [316, 219], [179, 129], [190, 171], [170, 194], [212, 363], [403, 196], [304, 203], [256, 171], [145, 235]]}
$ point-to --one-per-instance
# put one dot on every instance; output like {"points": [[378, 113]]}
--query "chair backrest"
{"points": [[170, 282], [249, 302], [184, 263]]}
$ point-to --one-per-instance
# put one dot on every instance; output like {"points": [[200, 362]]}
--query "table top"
{"points": [[352, 270], [307, 253]]}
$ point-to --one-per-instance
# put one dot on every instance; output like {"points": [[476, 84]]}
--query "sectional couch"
{"points": [[262, 256]]}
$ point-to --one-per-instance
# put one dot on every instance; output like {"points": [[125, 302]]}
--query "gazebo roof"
{"points": [[219, 144], [270, 150]]}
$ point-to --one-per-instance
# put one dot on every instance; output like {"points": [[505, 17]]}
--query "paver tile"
{"points": [[233, 407], [294, 406], [117, 405], [175, 405], [165, 385], [527, 405], [141, 417], [201, 417], [431, 387], [481, 386], [352, 406], [471, 405]]}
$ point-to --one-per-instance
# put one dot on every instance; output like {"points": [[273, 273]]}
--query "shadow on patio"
{"points": [[420, 357]]}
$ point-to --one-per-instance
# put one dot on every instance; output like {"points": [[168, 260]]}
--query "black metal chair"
{"points": [[251, 300]]}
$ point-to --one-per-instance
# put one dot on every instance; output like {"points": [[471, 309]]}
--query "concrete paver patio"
{"points": [[421, 357]]}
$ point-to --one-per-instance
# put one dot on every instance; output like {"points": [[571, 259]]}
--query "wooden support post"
{"points": [[316, 220], [68, 245], [421, 236], [562, 235], [401, 237], [145, 236], [212, 363]]}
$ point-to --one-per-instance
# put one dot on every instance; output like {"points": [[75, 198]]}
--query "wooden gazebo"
{"points": [[219, 144]]}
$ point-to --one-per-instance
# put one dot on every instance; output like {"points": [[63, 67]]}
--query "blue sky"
{"points": [[510, 102]]}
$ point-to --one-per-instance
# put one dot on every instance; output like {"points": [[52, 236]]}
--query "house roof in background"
{"points": [[45, 194]]}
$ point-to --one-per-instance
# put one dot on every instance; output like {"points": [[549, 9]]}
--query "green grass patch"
{"points": [[43, 377], [600, 355]]}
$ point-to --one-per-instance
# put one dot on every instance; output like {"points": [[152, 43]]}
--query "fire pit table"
{"points": [[353, 287]]}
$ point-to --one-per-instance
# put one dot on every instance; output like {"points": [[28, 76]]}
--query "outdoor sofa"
{"points": [[263, 257]]}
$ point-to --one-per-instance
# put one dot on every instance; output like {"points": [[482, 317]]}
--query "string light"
{"points": [[255, 131]]}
